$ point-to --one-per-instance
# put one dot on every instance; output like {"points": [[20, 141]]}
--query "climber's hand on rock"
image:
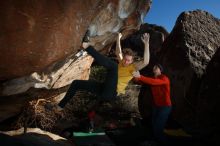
{"points": [[145, 38], [85, 45], [119, 36]]}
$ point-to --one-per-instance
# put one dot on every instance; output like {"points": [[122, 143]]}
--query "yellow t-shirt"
{"points": [[124, 76]]}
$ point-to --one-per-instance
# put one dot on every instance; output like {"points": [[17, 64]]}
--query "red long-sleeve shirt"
{"points": [[160, 88]]}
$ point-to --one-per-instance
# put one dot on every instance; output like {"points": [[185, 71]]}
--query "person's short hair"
{"points": [[159, 66], [128, 51]]}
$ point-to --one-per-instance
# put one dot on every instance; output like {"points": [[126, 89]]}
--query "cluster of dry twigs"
{"points": [[36, 115], [40, 113]]}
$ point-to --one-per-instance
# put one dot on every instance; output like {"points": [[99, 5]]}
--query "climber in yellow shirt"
{"points": [[126, 65]]}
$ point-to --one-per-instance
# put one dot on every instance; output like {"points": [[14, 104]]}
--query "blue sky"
{"points": [[165, 12]]}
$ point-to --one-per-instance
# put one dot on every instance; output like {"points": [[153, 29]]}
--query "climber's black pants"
{"points": [[106, 90]]}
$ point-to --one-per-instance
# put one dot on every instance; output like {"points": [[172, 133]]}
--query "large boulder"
{"points": [[45, 59], [185, 54]]}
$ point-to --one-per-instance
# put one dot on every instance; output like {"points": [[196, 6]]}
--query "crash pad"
{"points": [[85, 134], [92, 138]]}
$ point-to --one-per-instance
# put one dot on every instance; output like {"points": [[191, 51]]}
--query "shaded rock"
{"points": [[157, 36], [11, 106], [185, 55], [9, 141], [207, 107]]}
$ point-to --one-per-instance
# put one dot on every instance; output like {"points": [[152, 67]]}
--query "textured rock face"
{"points": [[185, 55], [35, 34], [195, 36], [39, 40]]}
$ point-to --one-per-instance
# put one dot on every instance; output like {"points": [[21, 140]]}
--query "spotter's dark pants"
{"points": [[159, 119]]}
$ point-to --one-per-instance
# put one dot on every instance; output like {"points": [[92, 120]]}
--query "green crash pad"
{"points": [[85, 134], [92, 138]]}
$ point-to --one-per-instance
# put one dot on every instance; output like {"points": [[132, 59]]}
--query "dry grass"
{"points": [[39, 113], [36, 115]]}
